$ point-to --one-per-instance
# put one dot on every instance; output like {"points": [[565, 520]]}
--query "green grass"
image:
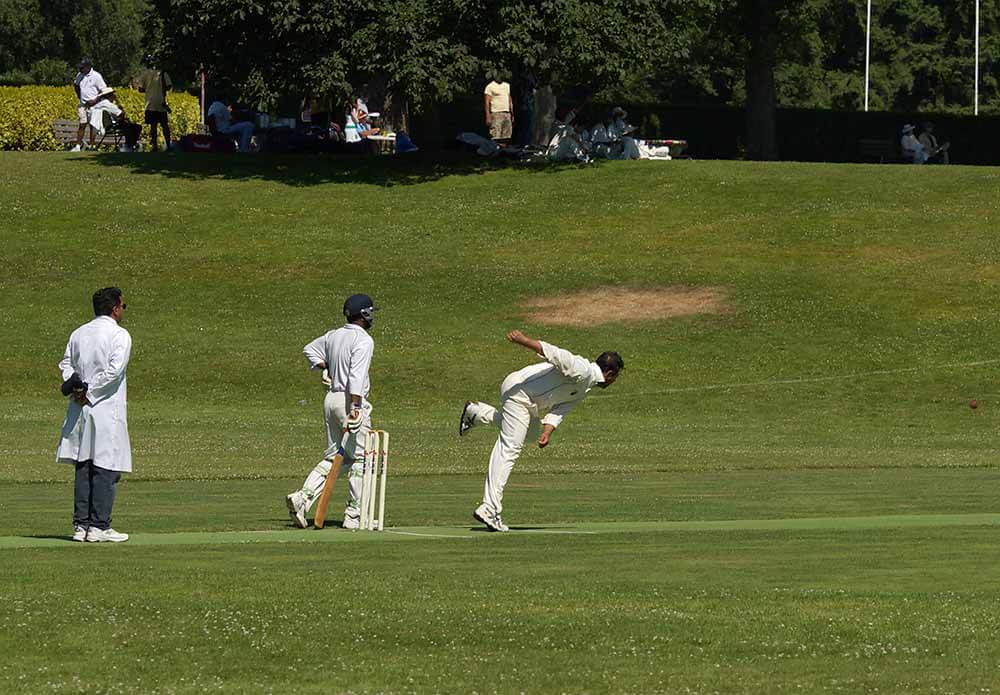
{"points": [[791, 496]]}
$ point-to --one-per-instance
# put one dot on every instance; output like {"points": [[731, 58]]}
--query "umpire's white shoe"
{"points": [[96, 535], [491, 519], [465, 422], [297, 507], [79, 534]]}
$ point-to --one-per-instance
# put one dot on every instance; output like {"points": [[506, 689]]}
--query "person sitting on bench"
{"points": [[220, 121]]}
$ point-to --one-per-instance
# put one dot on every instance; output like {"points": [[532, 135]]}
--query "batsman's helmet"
{"points": [[360, 305]]}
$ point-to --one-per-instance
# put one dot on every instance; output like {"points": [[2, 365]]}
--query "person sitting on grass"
{"points": [[106, 103], [220, 120]]}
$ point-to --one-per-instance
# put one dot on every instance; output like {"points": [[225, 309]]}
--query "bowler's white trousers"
{"points": [[338, 438], [516, 417]]}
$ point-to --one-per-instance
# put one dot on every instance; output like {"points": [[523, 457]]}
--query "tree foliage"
{"points": [[42, 40]]}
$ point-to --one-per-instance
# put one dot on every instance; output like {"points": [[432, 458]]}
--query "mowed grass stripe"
{"points": [[856, 523]]}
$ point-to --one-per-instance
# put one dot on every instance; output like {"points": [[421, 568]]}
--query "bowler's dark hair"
{"points": [[610, 362], [106, 300]]}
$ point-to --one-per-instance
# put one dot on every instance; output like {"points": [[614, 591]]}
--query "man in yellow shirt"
{"points": [[499, 108], [155, 84]]}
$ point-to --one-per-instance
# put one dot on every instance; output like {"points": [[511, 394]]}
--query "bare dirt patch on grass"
{"points": [[626, 305]]}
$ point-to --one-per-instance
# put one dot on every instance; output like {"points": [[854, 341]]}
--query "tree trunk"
{"points": [[544, 116], [392, 107], [760, 26]]}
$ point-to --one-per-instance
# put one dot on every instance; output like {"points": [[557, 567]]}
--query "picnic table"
{"points": [[383, 144]]}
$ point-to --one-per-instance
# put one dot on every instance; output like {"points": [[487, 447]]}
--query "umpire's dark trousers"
{"points": [[94, 495]]}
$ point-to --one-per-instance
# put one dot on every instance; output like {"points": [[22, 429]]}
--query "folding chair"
{"points": [[112, 129]]}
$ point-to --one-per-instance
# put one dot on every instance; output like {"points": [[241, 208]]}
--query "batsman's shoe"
{"points": [[491, 519], [352, 523], [96, 535], [297, 506], [79, 534], [465, 422]]}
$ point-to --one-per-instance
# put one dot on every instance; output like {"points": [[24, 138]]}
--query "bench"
{"points": [[879, 150], [64, 131]]}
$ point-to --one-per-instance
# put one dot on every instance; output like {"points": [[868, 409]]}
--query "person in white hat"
{"points": [[106, 103], [913, 151]]}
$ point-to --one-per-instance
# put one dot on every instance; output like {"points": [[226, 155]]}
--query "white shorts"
{"points": [[82, 115]]}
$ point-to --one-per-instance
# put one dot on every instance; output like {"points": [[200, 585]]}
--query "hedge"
{"points": [[27, 113]]}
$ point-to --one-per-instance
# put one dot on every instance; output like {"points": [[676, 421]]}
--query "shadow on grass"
{"points": [[315, 169]]}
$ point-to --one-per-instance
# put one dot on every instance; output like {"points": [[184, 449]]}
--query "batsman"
{"points": [[344, 356], [546, 392]]}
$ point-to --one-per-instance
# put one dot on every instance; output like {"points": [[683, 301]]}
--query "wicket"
{"points": [[376, 467]]}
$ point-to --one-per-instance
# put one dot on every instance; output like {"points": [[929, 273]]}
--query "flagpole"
{"points": [[868, 48], [976, 107]]}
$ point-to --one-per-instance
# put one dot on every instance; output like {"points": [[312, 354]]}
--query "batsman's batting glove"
{"points": [[327, 381], [354, 420]]}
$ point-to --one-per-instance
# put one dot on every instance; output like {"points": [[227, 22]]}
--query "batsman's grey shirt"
{"points": [[347, 353]]}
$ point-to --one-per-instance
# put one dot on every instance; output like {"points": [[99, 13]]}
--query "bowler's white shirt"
{"points": [[99, 352], [91, 85], [556, 386], [347, 353]]}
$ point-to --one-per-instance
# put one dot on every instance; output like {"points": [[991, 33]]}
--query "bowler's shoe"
{"points": [[492, 520]]}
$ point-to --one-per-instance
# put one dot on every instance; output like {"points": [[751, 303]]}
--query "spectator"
{"points": [[618, 128], [220, 120], [355, 127], [567, 144], [155, 84], [87, 84], [913, 151], [106, 104], [499, 107], [930, 144]]}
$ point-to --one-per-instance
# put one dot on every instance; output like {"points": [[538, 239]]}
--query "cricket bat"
{"points": [[324, 497]]}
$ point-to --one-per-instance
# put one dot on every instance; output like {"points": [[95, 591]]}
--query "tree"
{"points": [[42, 39]]}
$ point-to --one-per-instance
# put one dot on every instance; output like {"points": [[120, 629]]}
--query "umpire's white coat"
{"points": [[99, 352]]}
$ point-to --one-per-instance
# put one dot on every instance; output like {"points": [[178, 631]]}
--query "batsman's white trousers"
{"points": [[516, 417], [335, 412]]}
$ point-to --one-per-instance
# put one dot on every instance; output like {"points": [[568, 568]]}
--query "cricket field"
{"points": [[786, 491]]}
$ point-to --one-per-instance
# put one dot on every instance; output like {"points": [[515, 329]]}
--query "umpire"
{"points": [[94, 435]]}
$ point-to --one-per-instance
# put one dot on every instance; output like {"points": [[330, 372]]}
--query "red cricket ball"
{"points": [[973, 404]]}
